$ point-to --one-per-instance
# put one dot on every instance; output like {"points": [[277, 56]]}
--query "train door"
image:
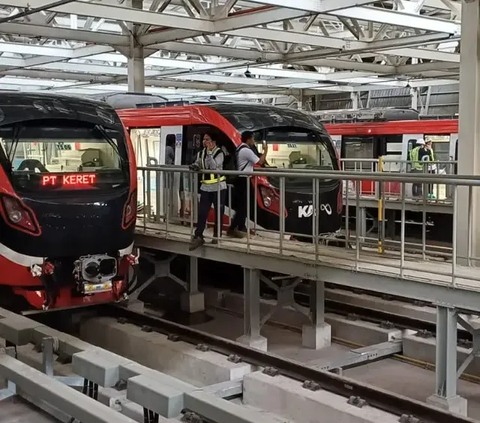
{"points": [[453, 152], [170, 153], [441, 145], [357, 154], [150, 145], [146, 144], [408, 143]]}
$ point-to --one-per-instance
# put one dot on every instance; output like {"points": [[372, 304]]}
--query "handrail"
{"points": [[464, 180]]}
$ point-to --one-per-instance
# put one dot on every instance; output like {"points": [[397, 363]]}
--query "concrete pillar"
{"points": [[251, 311], [193, 300], [446, 364], [469, 128], [318, 334], [136, 70], [136, 61]]}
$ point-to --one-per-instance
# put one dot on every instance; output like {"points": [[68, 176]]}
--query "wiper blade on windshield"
{"points": [[13, 146], [110, 141]]}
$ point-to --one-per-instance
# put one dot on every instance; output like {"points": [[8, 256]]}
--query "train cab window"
{"points": [[357, 153], [440, 145], [63, 147], [297, 150], [441, 151]]}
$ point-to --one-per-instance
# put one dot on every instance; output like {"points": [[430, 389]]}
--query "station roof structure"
{"points": [[228, 48]]}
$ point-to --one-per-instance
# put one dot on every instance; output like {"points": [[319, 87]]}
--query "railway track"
{"points": [[275, 364]]}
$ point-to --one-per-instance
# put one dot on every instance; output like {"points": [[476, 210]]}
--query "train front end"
{"points": [[67, 201], [300, 144]]}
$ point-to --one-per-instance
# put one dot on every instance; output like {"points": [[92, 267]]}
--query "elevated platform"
{"points": [[427, 280]]}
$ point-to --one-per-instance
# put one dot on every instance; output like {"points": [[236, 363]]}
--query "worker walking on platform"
{"points": [[245, 160], [213, 185]]}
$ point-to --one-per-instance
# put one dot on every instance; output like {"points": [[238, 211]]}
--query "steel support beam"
{"points": [[63, 34], [358, 356], [446, 363], [315, 6], [136, 55], [126, 14], [192, 301], [251, 310], [390, 17], [318, 334]]}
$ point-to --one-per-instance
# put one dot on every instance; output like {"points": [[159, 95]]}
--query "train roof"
{"points": [[243, 116], [24, 106], [386, 114]]}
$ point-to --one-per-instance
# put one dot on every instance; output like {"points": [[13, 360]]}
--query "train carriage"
{"points": [[297, 141], [67, 201]]}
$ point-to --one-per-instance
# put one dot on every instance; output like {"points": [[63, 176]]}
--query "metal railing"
{"points": [[436, 193], [171, 210]]}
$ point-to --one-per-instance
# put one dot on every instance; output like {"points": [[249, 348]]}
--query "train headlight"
{"points": [[15, 216], [270, 199], [18, 215]]}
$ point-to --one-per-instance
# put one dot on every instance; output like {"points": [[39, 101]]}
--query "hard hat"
{"points": [[421, 141]]}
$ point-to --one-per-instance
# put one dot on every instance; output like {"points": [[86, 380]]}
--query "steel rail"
{"points": [[378, 398]]}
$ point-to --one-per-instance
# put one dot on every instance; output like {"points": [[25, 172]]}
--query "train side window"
{"points": [[357, 148]]}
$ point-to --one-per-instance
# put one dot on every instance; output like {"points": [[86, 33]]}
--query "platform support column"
{"points": [[318, 334], [251, 311], [446, 364], [136, 54], [193, 300], [469, 130]]}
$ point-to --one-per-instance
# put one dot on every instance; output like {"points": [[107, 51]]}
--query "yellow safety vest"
{"points": [[210, 178], [414, 158]]}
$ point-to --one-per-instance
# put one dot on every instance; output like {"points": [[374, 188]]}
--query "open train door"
{"points": [[150, 145], [170, 182], [408, 143]]}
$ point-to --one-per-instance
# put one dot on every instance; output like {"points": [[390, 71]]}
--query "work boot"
{"points": [[214, 241], [197, 242], [234, 233]]}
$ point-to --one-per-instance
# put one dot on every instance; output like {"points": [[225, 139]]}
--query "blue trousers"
{"points": [[206, 201]]}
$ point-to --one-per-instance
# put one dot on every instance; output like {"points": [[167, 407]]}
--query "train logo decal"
{"points": [[307, 211]]}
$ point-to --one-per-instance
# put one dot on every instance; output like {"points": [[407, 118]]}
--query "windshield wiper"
{"points": [[13, 146], [109, 140]]}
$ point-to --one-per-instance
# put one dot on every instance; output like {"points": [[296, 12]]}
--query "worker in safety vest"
{"points": [[213, 185], [426, 155], [416, 166]]}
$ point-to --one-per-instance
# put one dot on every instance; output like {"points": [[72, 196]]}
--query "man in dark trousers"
{"points": [[211, 158], [245, 160]]}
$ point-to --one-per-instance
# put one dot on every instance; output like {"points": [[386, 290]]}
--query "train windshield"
{"points": [[297, 149], [44, 152]]}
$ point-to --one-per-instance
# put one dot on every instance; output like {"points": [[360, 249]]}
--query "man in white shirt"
{"points": [[246, 159]]}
